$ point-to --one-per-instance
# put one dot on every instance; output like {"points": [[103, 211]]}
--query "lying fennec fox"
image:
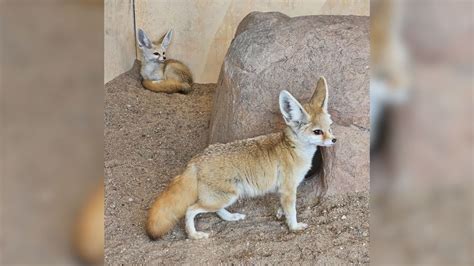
{"points": [[160, 74], [222, 173]]}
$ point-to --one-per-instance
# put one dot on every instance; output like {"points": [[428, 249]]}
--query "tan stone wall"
{"points": [[205, 28]]}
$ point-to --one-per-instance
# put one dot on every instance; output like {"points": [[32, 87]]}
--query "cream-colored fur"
{"points": [[160, 74], [222, 173]]}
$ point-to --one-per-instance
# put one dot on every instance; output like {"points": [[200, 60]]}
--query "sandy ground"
{"points": [[149, 137]]}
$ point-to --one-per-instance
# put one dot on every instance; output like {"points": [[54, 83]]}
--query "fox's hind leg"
{"points": [[227, 216], [209, 203], [190, 229]]}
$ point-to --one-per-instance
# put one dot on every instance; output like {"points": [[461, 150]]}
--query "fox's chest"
{"points": [[301, 173], [301, 168], [152, 72]]}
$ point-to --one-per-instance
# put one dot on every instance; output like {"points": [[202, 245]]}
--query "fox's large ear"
{"points": [[143, 40], [291, 109], [167, 39], [320, 95]]}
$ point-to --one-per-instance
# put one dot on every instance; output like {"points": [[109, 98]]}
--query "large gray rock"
{"points": [[273, 52]]}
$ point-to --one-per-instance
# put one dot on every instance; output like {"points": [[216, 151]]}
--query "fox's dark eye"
{"points": [[163, 53], [156, 53], [318, 132]]}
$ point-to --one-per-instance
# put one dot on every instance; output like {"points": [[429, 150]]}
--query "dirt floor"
{"points": [[149, 137]]}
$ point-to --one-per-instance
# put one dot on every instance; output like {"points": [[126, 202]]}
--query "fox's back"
{"points": [[175, 69], [238, 148], [249, 166]]}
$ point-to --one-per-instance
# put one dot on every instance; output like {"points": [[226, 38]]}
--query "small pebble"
{"points": [[341, 247], [130, 199], [128, 105], [343, 217]]}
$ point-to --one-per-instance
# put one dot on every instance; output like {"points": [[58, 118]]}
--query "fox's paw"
{"points": [[227, 216], [199, 235], [299, 227], [236, 217], [280, 213]]}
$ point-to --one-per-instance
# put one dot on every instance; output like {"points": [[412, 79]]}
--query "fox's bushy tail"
{"points": [[167, 86], [171, 205]]}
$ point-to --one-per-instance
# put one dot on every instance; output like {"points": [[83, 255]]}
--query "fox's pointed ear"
{"points": [[167, 39], [291, 109], [143, 40], [320, 95]]}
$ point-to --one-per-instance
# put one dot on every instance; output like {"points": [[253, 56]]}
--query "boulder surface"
{"points": [[272, 52]]}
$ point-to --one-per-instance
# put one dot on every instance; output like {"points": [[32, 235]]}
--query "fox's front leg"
{"points": [[288, 203]]}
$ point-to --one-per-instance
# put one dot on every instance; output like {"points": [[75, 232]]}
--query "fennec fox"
{"points": [[222, 173], [160, 74]]}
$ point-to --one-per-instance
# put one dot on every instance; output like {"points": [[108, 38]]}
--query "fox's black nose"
{"points": [[164, 57], [334, 140]]}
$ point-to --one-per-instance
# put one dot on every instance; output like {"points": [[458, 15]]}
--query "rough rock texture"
{"points": [[273, 52], [149, 137]]}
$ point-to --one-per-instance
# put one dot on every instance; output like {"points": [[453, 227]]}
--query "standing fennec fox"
{"points": [[222, 173], [160, 74]]}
